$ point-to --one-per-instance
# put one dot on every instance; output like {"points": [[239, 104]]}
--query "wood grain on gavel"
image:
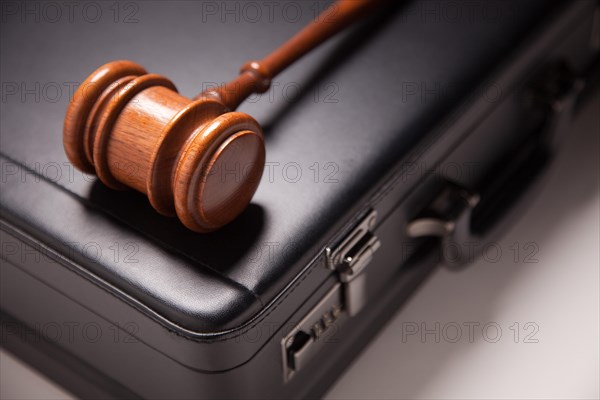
{"points": [[196, 159]]}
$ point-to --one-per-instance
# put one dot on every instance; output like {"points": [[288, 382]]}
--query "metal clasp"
{"points": [[350, 258]]}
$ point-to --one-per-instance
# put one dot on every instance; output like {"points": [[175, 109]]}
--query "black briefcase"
{"points": [[405, 143]]}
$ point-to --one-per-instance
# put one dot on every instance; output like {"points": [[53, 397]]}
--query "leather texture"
{"points": [[335, 124]]}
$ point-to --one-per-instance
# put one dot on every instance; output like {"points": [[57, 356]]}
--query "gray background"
{"points": [[558, 294]]}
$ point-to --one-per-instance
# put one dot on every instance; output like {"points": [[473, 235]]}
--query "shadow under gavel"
{"points": [[133, 130]]}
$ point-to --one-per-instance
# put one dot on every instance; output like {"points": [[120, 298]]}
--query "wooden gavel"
{"points": [[134, 130]]}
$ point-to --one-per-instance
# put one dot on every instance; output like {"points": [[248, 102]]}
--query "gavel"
{"points": [[134, 130]]}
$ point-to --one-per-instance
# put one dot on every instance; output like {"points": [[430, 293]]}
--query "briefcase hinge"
{"points": [[350, 258]]}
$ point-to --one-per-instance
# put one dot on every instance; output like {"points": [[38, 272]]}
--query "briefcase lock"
{"points": [[350, 258], [309, 336]]}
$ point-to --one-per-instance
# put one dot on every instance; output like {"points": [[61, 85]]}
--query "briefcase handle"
{"points": [[466, 218]]}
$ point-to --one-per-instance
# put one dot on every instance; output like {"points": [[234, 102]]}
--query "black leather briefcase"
{"points": [[403, 143]]}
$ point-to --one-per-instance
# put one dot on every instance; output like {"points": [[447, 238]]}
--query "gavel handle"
{"points": [[256, 76]]}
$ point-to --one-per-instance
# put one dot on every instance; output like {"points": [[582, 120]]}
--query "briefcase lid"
{"points": [[335, 124]]}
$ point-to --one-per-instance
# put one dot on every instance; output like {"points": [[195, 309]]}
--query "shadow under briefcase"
{"points": [[404, 143]]}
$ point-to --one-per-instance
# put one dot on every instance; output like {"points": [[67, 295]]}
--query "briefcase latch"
{"points": [[350, 258]]}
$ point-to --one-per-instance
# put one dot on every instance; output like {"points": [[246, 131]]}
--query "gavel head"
{"points": [[194, 159]]}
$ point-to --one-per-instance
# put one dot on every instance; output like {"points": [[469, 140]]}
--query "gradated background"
{"points": [[522, 323]]}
